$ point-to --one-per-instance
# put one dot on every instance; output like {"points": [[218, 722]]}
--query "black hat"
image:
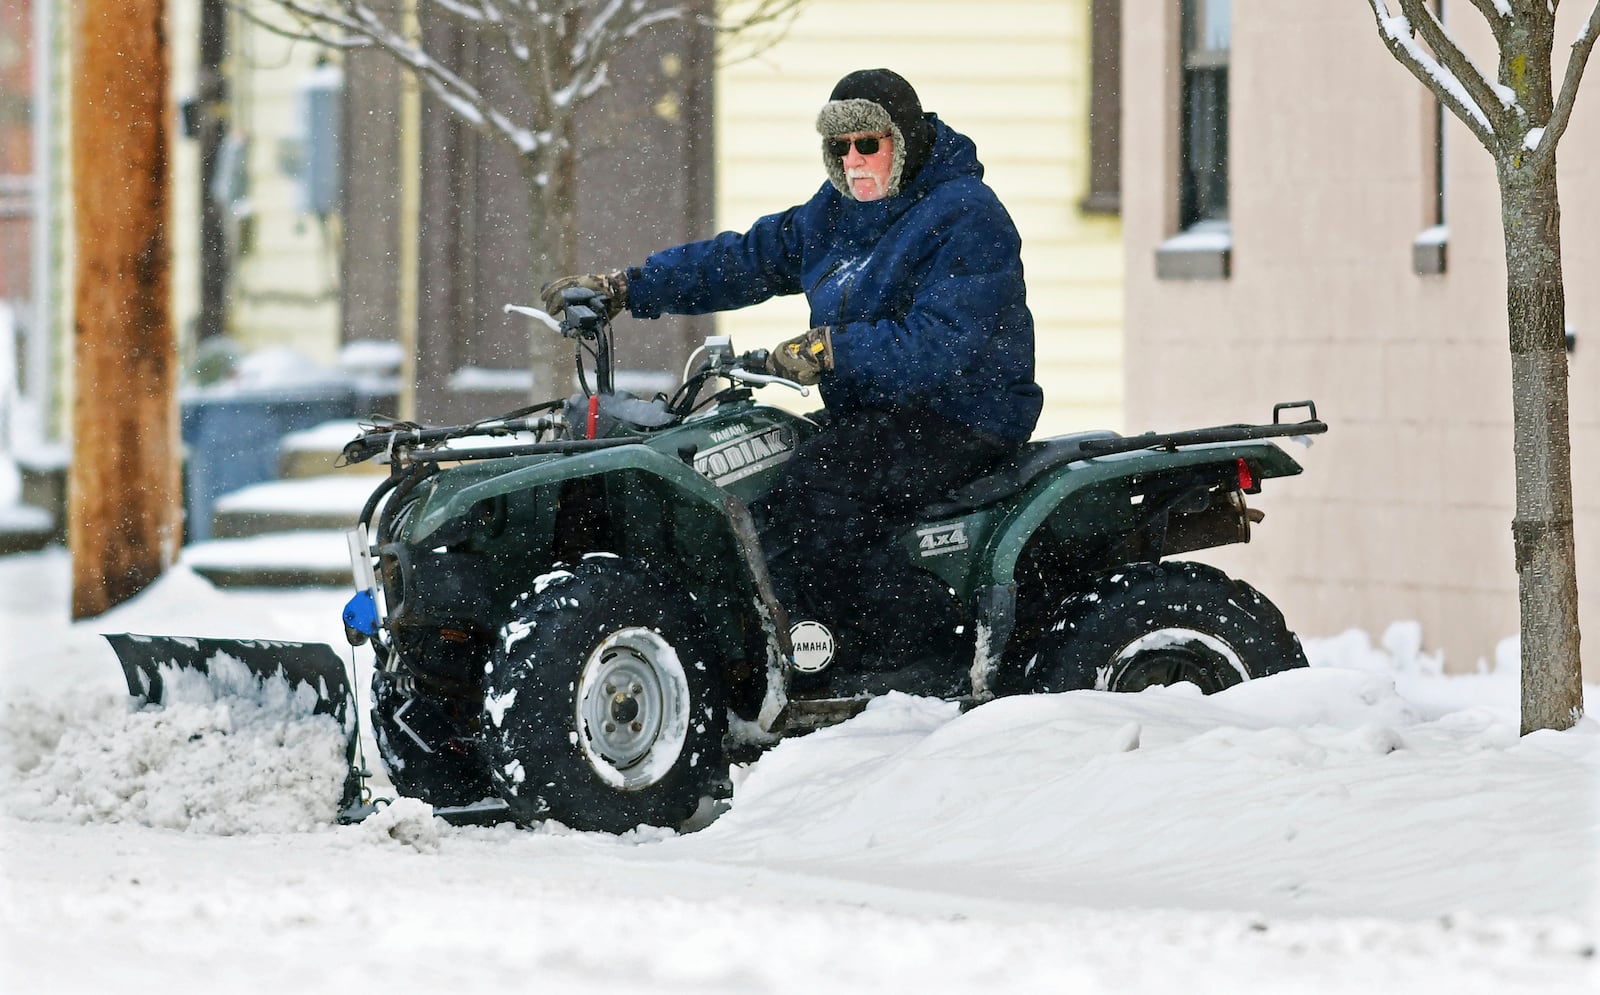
{"points": [[877, 100]]}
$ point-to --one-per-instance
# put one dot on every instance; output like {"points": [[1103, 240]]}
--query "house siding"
{"points": [[284, 288], [1014, 77], [1405, 510]]}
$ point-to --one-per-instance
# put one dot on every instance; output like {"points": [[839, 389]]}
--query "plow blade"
{"points": [[244, 667]]}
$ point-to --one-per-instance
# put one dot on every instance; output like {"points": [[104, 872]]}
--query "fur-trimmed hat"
{"points": [[876, 100]]}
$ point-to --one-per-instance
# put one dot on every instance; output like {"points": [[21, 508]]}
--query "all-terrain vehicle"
{"points": [[572, 617]]}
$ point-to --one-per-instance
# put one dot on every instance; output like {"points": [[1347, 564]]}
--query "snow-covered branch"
{"points": [[1492, 100], [1396, 32], [558, 50], [759, 25], [1562, 113]]}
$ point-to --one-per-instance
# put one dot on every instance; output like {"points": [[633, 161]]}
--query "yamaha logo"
{"points": [[813, 646]]}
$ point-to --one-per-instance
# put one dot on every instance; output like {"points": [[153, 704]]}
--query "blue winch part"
{"points": [[361, 614]]}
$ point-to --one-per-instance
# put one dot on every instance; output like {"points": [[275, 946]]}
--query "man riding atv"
{"points": [[921, 343], [574, 615]]}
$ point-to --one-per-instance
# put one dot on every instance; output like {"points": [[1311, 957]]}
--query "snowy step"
{"points": [[328, 502], [315, 452], [303, 558], [24, 528]]}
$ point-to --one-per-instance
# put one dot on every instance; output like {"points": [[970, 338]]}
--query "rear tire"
{"points": [[1149, 624], [604, 708]]}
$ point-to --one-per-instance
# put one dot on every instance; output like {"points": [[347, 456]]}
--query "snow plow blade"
{"points": [[244, 667]]}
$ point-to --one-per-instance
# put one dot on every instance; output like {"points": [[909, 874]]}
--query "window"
{"points": [[1207, 36], [1429, 250], [1105, 108], [1203, 247]]}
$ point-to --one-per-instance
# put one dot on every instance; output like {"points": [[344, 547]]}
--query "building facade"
{"points": [[1300, 224]]}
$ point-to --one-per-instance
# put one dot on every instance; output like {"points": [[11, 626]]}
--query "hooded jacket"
{"points": [[923, 291]]}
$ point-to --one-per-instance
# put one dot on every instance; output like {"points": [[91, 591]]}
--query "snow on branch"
{"points": [[1562, 113], [1466, 99], [560, 50], [1450, 55]]}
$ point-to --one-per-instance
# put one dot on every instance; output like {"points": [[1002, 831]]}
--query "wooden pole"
{"points": [[125, 523]]}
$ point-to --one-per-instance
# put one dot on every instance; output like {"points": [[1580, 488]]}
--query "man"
{"points": [[921, 342]]}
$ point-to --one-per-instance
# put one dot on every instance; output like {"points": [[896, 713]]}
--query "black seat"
{"points": [[1015, 473]]}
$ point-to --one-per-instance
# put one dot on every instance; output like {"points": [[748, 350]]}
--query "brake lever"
{"points": [[741, 375], [536, 313]]}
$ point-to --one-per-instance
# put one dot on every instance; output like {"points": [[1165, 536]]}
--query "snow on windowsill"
{"points": [[1202, 251]]}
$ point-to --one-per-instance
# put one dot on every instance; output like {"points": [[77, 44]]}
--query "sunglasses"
{"points": [[840, 147]]}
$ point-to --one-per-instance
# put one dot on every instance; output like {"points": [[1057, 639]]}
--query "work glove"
{"points": [[803, 358], [613, 285]]}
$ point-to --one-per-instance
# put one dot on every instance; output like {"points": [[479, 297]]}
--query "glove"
{"points": [[803, 358], [613, 285]]}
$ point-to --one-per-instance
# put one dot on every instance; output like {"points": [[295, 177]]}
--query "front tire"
{"points": [[604, 708], [1149, 624]]}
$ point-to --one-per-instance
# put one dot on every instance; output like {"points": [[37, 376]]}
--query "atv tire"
{"points": [[1148, 624], [604, 708]]}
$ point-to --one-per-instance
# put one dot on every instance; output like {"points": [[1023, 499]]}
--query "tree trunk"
{"points": [[553, 244], [1552, 680], [125, 524], [552, 180]]}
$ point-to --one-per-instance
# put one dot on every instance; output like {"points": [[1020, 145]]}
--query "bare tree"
{"points": [[1519, 116], [125, 526], [559, 52]]}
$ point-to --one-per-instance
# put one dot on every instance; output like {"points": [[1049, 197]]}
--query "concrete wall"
{"points": [[1406, 506], [1014, 75]]}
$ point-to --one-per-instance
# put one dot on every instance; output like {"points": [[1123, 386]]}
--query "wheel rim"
{"points": [[633, 708], [1171, 656]]}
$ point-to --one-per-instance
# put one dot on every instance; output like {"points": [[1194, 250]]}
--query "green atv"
{"points": [[572, 617]]}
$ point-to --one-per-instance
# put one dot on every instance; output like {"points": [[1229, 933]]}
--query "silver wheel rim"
{"points": [[1163, 640], [633, 708]]}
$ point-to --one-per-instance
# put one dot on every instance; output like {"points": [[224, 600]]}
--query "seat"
{"points": [[1015, 473]]}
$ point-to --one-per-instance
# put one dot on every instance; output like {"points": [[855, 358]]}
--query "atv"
{"points": [[572, 618]]}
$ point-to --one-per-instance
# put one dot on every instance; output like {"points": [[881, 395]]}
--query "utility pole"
{"points": [[123, 508]]}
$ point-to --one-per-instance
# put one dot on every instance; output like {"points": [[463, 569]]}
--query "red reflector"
{"points": [[594, 414], [1247, 480]]}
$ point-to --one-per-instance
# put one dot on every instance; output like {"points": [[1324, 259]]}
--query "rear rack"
{"points": [[1310, 425]]}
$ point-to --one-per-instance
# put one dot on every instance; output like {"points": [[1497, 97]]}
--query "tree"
{"points": [[1520, 118], [125, 522], [558, 51]]}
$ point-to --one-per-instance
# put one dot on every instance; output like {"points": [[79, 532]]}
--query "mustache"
{"points": [[859, 174]]}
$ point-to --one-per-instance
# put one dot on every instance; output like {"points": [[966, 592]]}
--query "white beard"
{"points": [[878, 186]]}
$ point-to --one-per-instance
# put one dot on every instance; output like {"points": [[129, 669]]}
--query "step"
{"points": [[328, 502], [25, 528], [301, 558], [315, 452]]}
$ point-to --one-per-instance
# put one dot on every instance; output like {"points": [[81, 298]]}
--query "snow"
{"points": [[314, 549], [343, 494], [1367, 825]]}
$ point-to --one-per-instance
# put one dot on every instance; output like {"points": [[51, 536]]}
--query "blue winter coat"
{"points": [[923, 290]]}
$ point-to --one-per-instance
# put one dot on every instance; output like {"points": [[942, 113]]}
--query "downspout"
{"points": [[38, 388]]}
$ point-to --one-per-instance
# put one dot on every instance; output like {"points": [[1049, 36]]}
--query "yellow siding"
{"points": [[1014, 76], [284, 289]]}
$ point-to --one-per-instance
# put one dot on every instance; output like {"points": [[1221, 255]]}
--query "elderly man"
{"points": [[921, 342]]}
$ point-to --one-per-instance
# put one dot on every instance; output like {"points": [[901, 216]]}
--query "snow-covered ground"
{"points": [[1364, 826]]}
